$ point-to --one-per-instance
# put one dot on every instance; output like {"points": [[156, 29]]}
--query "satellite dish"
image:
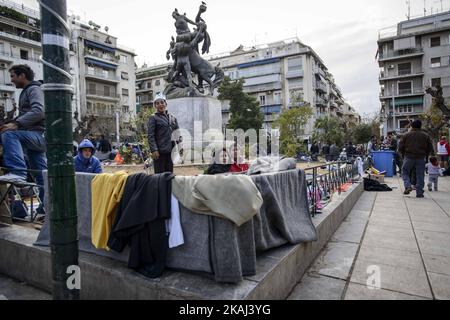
{"points": [[106, 28]]}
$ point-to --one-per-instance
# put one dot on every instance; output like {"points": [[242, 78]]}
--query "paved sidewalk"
{"points": [[404, 238]]}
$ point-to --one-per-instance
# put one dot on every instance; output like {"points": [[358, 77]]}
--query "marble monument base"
{"points": [[200, 122]]}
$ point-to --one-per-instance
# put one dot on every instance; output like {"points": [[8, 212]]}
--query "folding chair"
{"points": [[16, 189]]}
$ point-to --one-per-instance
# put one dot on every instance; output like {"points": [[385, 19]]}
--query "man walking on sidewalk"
{"points": [[415, 147]]}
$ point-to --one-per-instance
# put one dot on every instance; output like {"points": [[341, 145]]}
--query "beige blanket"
{"points": [[232, 197]]}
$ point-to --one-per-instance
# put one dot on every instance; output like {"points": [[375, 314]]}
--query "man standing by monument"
{"points": [[161, 125]]}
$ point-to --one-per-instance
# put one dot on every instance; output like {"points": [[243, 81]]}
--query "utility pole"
{"points": [[58, 92]]}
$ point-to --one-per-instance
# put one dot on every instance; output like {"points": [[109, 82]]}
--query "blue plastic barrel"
{"points": [[384, 161]]}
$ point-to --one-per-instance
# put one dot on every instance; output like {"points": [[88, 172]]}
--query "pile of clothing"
{"points": [[136, 211], [142, 212]]}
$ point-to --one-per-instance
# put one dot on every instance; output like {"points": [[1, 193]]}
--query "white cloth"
{"points": [[173, 225], [360, 164], [441, 150]]}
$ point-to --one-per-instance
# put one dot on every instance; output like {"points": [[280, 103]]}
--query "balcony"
{"points": [[102, 56], [8, 87], [318, 70], [403, 93], [95, 74], [102, 94], [402, 75], [320, 86], [320, 101], [294, 74], [32, 39], [401, 54]]}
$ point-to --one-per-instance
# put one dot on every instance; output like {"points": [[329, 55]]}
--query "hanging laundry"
{"points": [[173, 225], [141, 222], [106, 193]]}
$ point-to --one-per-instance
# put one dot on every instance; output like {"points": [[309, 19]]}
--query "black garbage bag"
{"points": [[373, 185]]}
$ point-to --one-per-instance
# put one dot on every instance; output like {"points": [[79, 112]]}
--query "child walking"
{"points": [[434, 171]]}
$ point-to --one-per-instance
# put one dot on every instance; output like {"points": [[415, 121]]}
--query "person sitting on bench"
{"points": [[25, 133], [85, 160]]}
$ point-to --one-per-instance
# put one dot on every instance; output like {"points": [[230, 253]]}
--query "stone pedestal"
{"points": [[200, 122], [203, 112]]}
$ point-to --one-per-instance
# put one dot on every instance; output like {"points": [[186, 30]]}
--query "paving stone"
{"points": [[350, 231], [358, 215], [437, 264], [437, 243], [441, 285], [391, 241], [443, 226], [391, 257], [378, 230], [360, 292], [335, 260], [394, 278], [316, 287], [387, 222]]}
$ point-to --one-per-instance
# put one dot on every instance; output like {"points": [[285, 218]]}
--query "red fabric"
{"points": [[447, 146], [239, 167]]}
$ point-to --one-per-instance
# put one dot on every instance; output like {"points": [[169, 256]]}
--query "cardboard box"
{"points": [[377, 177]]}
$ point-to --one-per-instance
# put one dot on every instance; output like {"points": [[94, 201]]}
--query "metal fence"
{"points": [[321, 186]]}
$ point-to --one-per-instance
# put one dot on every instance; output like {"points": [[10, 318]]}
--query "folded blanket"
{"points": [[232, 197], [271, 164]]}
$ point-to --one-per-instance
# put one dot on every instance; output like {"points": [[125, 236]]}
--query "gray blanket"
{"points": [[216, 246]]}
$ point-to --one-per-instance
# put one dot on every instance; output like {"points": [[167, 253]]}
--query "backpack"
{"points": [[373, 185]]}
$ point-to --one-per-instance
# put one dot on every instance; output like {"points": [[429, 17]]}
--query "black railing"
{"points": [[325, 180]]}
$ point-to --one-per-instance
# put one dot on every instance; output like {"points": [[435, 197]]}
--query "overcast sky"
{"points": [[344, 33]]}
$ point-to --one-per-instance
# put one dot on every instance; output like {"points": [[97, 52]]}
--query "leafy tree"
{"points": [[329, 130], [434, 122], [140, 124], [245, 109], [291, 124], [362, 133]]}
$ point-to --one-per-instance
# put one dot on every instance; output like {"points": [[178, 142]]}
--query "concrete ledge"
{"points": [[279, 270]]}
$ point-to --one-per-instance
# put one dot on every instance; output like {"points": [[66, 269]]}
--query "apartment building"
{"points": [[413, 56], [276, 74], [103, 70], [105, 80], [19, 44]]}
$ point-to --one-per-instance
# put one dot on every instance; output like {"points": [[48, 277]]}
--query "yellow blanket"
{"points": [[106, 193]]}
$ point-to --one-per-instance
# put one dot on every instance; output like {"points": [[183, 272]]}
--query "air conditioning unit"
{"points": [[5, 95], [391, 66], [3, 65]]}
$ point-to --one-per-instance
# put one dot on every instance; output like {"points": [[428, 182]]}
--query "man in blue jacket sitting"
{"points": [[85, 160]]}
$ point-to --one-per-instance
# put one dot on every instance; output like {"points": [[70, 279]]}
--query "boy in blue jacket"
{"points": [[85, 160]]}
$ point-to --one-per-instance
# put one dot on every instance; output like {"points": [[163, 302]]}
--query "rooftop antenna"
{"points": [[424, 8], [408, 3]]}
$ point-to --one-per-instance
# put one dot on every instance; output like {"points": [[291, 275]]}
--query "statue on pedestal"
{"points": [[187, 61]]}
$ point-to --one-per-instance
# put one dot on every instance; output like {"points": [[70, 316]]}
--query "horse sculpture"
{"points": [[184, 51]]}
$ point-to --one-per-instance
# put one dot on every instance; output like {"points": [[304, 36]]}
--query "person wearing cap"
{"points": [[85, 161], [415, 147], [161, 125]]}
